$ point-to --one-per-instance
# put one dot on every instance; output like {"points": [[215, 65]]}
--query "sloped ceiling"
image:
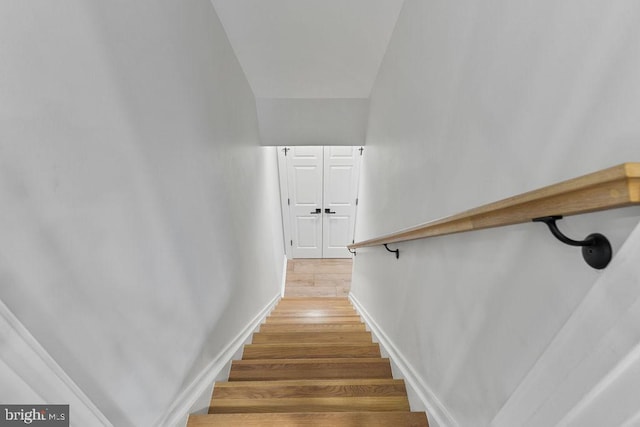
{"points": [[326, 52]]}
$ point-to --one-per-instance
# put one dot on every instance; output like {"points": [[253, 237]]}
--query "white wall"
{"points": [[319, 121], [140, 221], [473, 103]]}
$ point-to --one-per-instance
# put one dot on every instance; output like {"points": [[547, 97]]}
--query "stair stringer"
{"points": [[421, 397], [201, 388]]}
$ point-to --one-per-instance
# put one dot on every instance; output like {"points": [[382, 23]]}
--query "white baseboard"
{"points": [[178, 413], [284, 276], [22, 354], [437, 413]]}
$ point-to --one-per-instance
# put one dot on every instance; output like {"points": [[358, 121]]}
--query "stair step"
{"points": [[321, 327], [308, 388], [314, 300], [313, 305], [311, 337], [310, 404], [297, 305], [312, 396], [314, 312], [313, 320], [315, 419], [326, 368], [338, 305], [309, 350]]}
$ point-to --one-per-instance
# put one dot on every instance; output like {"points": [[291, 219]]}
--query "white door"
{"points": [[319, 199], [304, 175], [341, 173]]}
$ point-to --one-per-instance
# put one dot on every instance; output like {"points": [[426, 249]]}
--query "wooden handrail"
{"points": [[611, 188]]}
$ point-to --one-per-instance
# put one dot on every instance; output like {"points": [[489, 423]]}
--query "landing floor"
{"points": [[318, 277]]}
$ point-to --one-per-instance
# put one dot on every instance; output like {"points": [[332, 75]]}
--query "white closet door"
{"points": [[341, 174], [319, 193], [304, 170]]}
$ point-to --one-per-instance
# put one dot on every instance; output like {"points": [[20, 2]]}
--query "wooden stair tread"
{"points": [[326, 304], [313, 306], [315, 419], [326, 368], [286, 303], [287, 299], [314, 299], [315, 313], [310, 404], [282, 307], [309, 388], [311, 327], [310, 350], [311, 337], [296, 320]]}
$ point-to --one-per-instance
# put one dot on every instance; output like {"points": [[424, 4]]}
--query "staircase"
{"points": [[312, 364]]}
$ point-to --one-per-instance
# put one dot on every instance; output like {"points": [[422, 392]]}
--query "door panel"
{"points": [[308, 236], [338, 231], [341, 173], [304, 166], [306, 192], [337, 185]]}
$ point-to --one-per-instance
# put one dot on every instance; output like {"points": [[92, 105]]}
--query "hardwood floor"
{"points": [[318, 277]]}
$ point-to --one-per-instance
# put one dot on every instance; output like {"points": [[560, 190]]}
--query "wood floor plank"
{"points": [[332, 279], [309, 350], [346, 270], [312, 419], [299, 279], [293, 369], [331, 291], [322, 266]]}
